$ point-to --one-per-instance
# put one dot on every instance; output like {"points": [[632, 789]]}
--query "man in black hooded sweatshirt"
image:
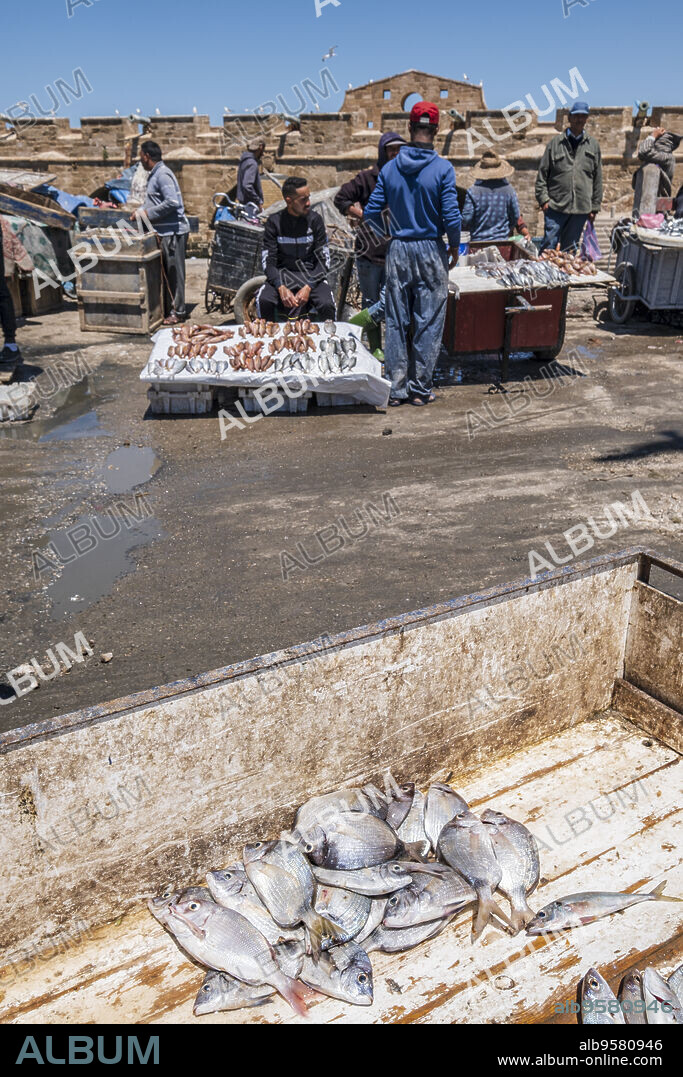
{"points": [[371, 249]]}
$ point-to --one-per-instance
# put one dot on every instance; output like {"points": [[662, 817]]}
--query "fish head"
{"points": [[194, 912], [395, 873], [256, 850], [213, 992], [356, 979], [593, 989], [159, 905], [632, 986], [553, 917], [313, 842], [224, 882], [400, 906]]}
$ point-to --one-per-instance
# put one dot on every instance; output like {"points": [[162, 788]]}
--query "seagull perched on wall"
{"points": [[330, 54]]}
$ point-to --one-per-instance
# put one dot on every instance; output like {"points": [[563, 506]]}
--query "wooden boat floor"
{"points": [[603, 799]]}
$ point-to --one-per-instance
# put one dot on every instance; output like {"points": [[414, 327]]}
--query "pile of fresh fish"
{"points": [[261, 346], [569, 262], [645, 998], [354, 875], [672, 226], [524, 274], [361, 871]]}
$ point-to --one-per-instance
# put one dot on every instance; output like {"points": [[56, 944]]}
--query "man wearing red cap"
{"points": [[418, 189]]}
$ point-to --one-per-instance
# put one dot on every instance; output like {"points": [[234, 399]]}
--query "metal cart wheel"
{"points": [[244, 302], [621, 308], [211, 300]]}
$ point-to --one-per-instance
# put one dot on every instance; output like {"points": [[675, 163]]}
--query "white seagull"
{"points": [[330, 54]]}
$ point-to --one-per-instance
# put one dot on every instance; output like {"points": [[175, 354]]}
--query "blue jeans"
{"points": [[371, 278], [417, 291], [563, 228]]}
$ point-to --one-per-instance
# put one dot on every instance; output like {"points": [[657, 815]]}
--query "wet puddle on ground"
{"points": [[74, 416], [128, 467], [98, 551]]}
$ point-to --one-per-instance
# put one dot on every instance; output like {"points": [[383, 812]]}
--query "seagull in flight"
{"points": [[330, 54]]}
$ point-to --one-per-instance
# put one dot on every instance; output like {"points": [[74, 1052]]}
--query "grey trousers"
{"points": [[173, 255], [416, 297]]}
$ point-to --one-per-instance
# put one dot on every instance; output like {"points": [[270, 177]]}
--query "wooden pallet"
{"points": [[605, 767]]}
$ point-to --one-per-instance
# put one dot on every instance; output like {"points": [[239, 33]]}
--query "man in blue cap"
{"points": [[569, 182]]}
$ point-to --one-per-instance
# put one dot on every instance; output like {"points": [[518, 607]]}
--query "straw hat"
{"points": [[491, 167]]}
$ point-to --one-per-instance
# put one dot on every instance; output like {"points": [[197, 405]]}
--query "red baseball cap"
{"points": [[425, 112]]}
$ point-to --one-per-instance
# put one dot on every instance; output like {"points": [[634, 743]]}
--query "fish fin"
{"points": [[293, 993], [487, 908], [521, 916], [321, 933], [657, 893]]}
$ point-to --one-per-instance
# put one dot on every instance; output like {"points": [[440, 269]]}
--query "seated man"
{"points": [[296, 259]]}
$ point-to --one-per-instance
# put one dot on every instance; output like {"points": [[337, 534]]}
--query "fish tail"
{"points": [[487, 908], [657, 893], [293, 993], [321, 933], [521, 915]]}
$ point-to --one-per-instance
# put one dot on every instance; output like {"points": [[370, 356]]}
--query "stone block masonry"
{"points": [[328, 148]]}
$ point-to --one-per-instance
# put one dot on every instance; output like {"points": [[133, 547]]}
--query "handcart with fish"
{"points": [[433, 819], [235, 266], [513, 301], [648, 268]]}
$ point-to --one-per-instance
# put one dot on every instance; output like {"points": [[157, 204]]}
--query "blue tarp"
{"points": [[69, 202]]}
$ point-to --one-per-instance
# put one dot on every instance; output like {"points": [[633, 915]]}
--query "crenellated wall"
{"points": [[327, 148]]}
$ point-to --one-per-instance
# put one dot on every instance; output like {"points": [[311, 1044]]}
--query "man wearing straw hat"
{"points": [[491, 210]]}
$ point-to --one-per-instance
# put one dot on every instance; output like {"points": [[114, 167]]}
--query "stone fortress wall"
{"points": [[327, 147]]}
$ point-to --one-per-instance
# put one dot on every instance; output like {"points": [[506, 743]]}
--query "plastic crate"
{"points": [[180, 402], [335, 400], [295, 405]]}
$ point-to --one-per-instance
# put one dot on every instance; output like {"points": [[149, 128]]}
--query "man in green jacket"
{"points": [[569, 182]]}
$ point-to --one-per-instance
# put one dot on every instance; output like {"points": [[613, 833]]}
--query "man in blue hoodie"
{"points": [[418, 189]]}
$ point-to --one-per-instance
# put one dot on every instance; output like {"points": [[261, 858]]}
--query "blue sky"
{"points": [[171, 55]]}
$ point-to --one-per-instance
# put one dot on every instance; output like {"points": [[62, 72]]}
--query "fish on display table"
{"points": [[344, 972], [220, 992], [396, 940], [442, 806], [412, 831], [599, 1005], [662, 1006], [431, 896], [282, 877], [465, 844], [516, 851], [343, 908], [372, 882], [578, 909], [349, 840], [675, 982], [224, 940], [631, 999]]}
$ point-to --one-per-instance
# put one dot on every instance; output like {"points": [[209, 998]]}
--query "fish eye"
{"points": [[227, 875], [393, 900], [167, 892], [193, 905], [362, 978], [257, 845], [593, 983], [308, 847], [396, 868], [541, 915]]}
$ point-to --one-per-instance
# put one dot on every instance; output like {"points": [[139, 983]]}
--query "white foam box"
{"points": [[291, 405]]}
